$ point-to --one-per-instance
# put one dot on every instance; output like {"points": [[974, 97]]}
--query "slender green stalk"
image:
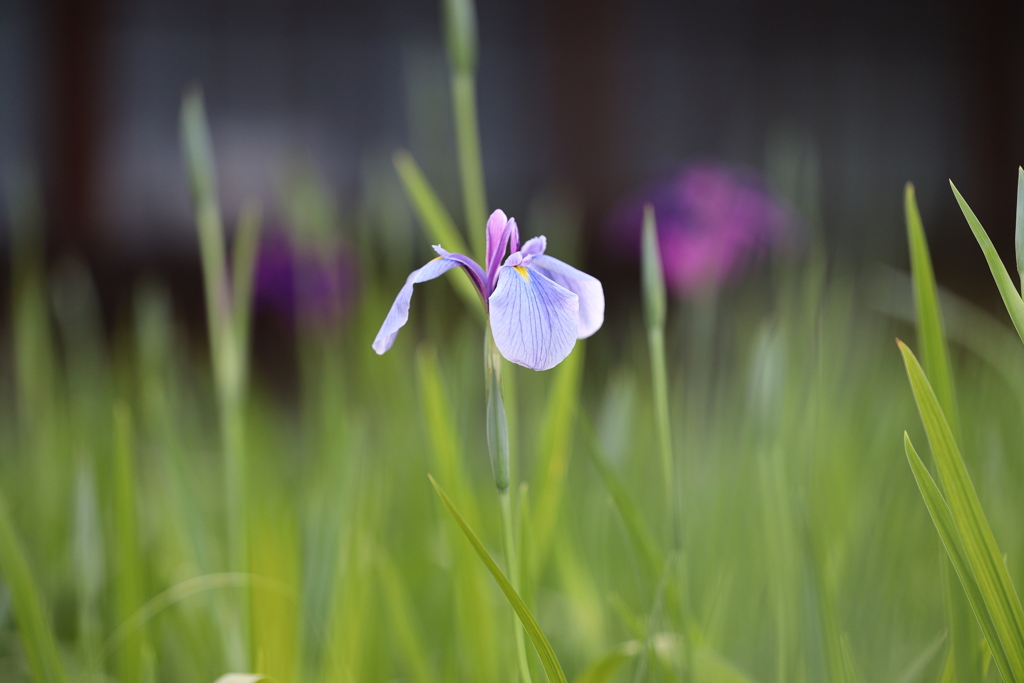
{"points": [[227, 313], [460, 36], [497, 446], [27, 604], [511, 562], [471, 168], [653, 282]]}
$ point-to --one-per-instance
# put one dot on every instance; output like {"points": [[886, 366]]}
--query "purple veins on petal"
{"points": [[399, 313], [534, 321], [586, 287]]}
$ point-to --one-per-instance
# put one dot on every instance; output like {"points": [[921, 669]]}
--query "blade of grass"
{"points": [[182, 591], [950, 537], [605, 668], [128, 579], [554, 448], [1011, 299], [917, 667], [227, 353], [639, 533], [33, 622], [653, 286], [931, 336], [436, 222], [930, 329], [980, 547], [447, 458], [246, 248], [547, 655], [461, 39], [402, 615]]}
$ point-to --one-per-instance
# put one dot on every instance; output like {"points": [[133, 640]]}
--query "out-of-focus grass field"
{"points": [[805, 551], [803, 529]]}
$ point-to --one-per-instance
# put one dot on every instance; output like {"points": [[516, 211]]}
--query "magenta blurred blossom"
{"points": [[302, 281], [714, 220]]}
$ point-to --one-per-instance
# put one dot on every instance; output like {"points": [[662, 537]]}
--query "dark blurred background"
{"points": [[590, 97]]}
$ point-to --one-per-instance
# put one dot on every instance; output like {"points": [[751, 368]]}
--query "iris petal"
{"points": [[399, 313], [586, 287], [497, 243], [534, 320], [535, 246]]}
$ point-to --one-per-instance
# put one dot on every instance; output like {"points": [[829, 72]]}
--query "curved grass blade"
{"points": [[979, 544], [930, 329], [547, 655], [943, 520], [1011, 299], [931, 335], [639, 532], [33, 623], [554, 446], [605, 668], [917, 667], [402, 617], [184, 590], [446, 457], [435, 220]]}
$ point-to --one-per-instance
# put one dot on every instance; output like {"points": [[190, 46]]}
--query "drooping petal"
{"points": [[473, 270], [534, 321], [399, 313], [586, 287]]}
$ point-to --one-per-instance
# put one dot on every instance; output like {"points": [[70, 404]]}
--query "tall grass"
{"points": [[167, 515]]}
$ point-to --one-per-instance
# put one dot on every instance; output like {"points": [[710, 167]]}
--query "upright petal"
{"points": [[586, 287], [497, 240], [399, 313], [535, 246], [534, 321], [500, 230]]}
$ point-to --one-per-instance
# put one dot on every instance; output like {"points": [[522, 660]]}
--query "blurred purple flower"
{"points": [[301, 281], [714, 219]]}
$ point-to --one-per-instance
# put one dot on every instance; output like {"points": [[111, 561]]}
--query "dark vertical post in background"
{"points": [[581, 39], [76, 33]]}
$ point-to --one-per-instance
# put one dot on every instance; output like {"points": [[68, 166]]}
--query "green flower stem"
{"points": [[654, 298], [659, 387], [497, 446], [471, 167]]}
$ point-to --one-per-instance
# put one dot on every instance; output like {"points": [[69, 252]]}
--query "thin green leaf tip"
{"points": [[652, 276]]}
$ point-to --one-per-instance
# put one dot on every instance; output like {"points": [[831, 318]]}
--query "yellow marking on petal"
{"points": [[436, 258], [523, 272]]}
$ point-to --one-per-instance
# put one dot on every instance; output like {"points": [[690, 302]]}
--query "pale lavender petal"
{"points": [[535, 246], [586, 287], [399, 313], [534, 321]]}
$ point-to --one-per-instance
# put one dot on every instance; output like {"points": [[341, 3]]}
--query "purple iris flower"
{"points": [[537, 305], [713, 220], [301, 281]]}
